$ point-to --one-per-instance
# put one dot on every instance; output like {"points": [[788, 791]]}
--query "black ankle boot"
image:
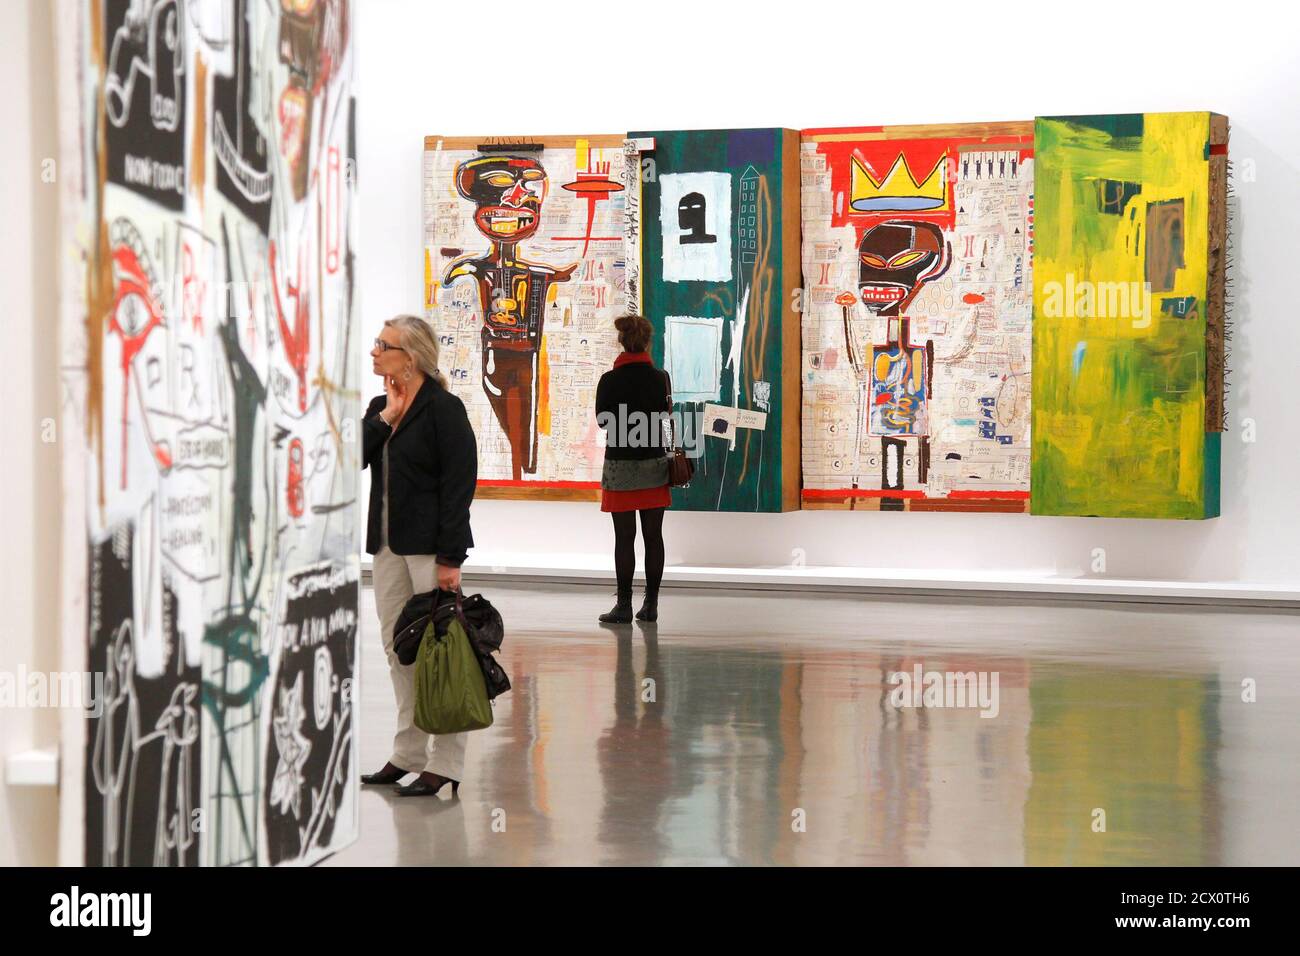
{"points": [[620, 613], [649, 609]]}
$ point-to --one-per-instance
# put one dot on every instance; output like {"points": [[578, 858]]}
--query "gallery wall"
{"points": [[29, 590], [654, 71]]}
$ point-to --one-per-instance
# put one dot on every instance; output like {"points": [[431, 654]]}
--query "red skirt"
{"points": [[636, 500]]}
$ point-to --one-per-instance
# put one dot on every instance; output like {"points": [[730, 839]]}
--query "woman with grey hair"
{"points": [[423, 461]]}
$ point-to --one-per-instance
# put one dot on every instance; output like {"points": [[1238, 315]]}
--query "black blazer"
{"points": [[638, 387], [433, 459]]}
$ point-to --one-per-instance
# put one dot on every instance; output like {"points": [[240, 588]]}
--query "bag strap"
{"points": [[460, 612], [672, 431]]}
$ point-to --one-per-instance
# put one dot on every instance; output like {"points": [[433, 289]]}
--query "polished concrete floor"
{"points": [[758, 728]]}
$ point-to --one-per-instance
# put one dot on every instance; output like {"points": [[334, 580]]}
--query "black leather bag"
{"points": [[415, 617], [482, 623]]}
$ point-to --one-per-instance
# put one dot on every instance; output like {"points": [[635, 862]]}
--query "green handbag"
{"points": [[450, 696]]}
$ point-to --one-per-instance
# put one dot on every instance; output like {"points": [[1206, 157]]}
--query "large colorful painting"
{"points": [[210, 398], [718, 263], [1128, 314], [916, 333], [524, 276], [971, 336]]}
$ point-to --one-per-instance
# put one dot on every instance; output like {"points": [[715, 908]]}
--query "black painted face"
{"points": [[895, 261], [508, 190], [691, 216], [690, 212]]}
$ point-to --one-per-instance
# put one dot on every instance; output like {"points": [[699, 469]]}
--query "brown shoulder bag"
{"points": [[680, 468]]}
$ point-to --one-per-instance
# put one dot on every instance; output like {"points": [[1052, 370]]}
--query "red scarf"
{"points": [[626, 358]]}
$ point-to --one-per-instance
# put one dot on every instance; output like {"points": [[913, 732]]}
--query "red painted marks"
{"points": [[294, 496], [811, 494], [296, 340], [594, 185], [815, 493], [1006, 495], [135, 315]]}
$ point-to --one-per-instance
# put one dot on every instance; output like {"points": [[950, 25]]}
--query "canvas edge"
{"points": [[71, 28], [791, 323]]}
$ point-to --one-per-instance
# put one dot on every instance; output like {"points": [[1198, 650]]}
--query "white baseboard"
{"points": [[33, 768], [576, 568]]}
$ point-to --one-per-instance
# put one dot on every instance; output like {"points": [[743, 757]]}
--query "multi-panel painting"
{"points": [[912, 318]]}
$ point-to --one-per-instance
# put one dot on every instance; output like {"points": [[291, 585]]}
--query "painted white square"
{"points": [[701, 261]]}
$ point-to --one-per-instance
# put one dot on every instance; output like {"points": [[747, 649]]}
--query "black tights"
{"points": [[652, 533]]}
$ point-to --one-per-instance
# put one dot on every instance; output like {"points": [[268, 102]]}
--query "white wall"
{"points": [[530, 68], [29, 480]]}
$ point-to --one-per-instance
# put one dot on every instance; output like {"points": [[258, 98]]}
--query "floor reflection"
{"points": [[759, 729]]}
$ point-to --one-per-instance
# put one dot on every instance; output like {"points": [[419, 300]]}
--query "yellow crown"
{"points": [[899, 190]]}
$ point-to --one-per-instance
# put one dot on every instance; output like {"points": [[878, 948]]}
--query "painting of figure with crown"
{"points": [[916, 335]]}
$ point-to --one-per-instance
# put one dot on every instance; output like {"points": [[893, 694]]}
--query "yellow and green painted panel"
{"points": [[1123, 268]]}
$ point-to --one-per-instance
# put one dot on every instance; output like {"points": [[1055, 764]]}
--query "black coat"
{"points": [[433, 458], [637, 387]]}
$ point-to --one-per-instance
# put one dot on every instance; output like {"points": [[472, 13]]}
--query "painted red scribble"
{"points": [[194, 288], [594, 185], [294, 497], [297, 340], [133, 285]]}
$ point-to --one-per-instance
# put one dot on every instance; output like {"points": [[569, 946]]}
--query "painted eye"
{"points": [[500, 179], [905, 258], [532, 175], [873, 260], [132, 314]]}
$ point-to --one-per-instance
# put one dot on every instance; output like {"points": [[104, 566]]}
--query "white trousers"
{"points": [[396, 578]]}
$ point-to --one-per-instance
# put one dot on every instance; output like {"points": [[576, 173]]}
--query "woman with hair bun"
{"points": [[423, 461], [632, 405]]}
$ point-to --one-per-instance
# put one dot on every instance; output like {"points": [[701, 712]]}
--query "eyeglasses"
{"points": [[385, 347]]}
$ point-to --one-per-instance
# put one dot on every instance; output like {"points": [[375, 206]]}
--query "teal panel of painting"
{"points": [[719, 251]]}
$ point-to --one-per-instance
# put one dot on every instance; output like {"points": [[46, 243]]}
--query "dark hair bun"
{"points": [[634, 332]]}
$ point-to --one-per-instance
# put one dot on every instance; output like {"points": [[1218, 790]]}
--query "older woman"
{"points": [[631, 406], [423, 461]]}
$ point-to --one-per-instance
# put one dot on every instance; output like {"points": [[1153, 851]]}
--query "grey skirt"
{"points": [[634, 474]]}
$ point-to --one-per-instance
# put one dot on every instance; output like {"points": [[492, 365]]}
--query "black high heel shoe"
{"points": [[389, 774], [427, 785]]}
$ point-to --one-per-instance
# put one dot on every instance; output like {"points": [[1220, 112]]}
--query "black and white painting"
{"points": [[210, 381]]}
